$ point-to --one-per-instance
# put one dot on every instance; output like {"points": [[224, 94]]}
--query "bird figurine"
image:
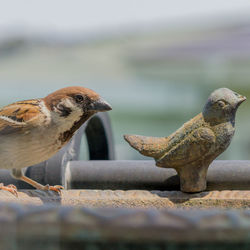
{"points": [[34, 130], [192, 148]]}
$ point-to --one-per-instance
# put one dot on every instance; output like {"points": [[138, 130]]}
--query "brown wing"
{"points": [[195, 146], [18, 115]]}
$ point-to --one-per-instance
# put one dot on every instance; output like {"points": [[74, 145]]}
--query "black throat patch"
{"points": [[66, 135]]}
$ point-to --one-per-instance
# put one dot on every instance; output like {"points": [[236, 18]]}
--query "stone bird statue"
{"points": [[192, 148], [34, 130]]}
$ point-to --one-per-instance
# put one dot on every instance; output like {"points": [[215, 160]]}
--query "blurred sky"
{"points": [[94, 15]]}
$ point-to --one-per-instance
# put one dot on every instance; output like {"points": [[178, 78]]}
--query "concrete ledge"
{"points": [[132, 198]]}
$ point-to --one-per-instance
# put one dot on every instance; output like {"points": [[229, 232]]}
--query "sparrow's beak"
{"points": [[100, 105]]}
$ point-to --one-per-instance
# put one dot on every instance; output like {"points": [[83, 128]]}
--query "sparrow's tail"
{"points": [[148, 146]]}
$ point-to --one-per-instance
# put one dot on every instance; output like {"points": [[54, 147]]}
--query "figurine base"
{"points": [[192, 179]]}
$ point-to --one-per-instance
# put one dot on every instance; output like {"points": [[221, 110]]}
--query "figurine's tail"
{"points": [[148, 146]]}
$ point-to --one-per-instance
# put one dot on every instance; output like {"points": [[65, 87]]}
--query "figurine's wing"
{"points": [[157, 147], [193, 147], [19, 115]]}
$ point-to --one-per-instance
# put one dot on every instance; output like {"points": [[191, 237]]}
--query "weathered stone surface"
{"points": [[132, 198], [191, 149]]}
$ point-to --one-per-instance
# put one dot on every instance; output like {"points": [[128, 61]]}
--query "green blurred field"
{"points": [[155, 80]]}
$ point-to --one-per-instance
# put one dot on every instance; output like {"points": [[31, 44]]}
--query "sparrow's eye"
{"points": [[79, 98]]}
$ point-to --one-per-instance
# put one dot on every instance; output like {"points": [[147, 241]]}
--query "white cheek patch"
{"points": [[74, 115], [46, 112], [64, 103], [75, 110], [68, 103]]}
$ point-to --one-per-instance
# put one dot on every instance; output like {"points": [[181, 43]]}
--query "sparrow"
{"points": [[32, 131], [192, 148]]}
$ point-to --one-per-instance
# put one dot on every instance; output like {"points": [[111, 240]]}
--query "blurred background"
{"points": [[156, 62]]}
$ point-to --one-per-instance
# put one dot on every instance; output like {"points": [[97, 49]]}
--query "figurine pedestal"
{"points": [[192, 178]]}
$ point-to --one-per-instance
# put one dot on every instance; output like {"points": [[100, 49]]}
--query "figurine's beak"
{"points": [[241, 99]]}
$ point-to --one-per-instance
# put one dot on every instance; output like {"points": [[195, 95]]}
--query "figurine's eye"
{"points": [[236, 94], [79, 98], [221, 103]]}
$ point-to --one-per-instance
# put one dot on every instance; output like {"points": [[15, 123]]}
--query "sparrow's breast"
{"points": [[24, 150]]}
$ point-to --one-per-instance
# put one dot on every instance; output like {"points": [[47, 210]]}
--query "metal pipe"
{"points": [[222, 175]]}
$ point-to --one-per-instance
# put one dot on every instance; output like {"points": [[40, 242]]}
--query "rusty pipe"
{"points": [[222, 175]]}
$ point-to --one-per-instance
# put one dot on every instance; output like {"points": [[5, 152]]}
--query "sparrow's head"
{"points": [[222, 105], [76, 101]]}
